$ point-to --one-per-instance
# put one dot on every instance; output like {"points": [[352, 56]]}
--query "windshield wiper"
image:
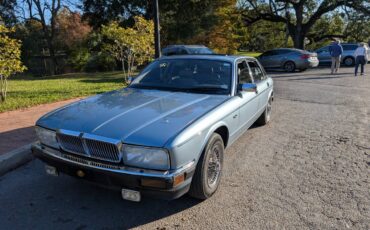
{"points": [[208, 88]]}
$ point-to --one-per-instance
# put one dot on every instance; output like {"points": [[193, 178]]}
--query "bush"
{"points": [[79, 58], [100, 62]]}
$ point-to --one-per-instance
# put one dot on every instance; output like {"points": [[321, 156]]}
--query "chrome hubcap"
{"points": [[214, 166]]}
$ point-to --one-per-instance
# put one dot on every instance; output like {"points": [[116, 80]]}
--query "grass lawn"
{"points": [[27, 91], [251, 54]]}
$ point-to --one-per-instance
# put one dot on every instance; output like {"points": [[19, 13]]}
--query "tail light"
{"points": [[305, 56]]}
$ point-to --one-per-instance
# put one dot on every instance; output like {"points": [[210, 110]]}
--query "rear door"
{"points": [[266, 58]]}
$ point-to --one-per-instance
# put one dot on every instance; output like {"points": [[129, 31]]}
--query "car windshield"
{"points": [[200, 50], [187, 75]]}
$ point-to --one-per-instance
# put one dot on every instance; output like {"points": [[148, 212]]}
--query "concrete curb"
{"points": [[15, 158]]}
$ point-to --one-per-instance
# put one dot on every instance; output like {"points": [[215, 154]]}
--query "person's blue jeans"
{"points": [[360, 60]]}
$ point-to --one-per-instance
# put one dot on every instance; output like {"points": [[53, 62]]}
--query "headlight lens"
{"points": [[145, 157], [47, 137]]}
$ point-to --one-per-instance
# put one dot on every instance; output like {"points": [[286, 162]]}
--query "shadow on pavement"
{"points": [[43, 202], [13, 139]]}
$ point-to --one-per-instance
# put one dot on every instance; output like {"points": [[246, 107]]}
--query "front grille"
{"points": [[92, 163], [103, 150], [89, 147], [71, 143]]}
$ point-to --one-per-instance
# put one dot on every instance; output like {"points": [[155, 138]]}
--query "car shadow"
{"points": [[65, 202], [13, 139]]}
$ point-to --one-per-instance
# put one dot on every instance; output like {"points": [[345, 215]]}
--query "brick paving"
{"points": [[16, 127]]}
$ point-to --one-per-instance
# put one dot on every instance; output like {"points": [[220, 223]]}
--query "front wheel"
{"points": [[349, 61], [208, 172], [266, 115]]}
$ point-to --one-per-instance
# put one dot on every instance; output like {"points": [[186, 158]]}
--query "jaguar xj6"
{"points": [[165, 134]]}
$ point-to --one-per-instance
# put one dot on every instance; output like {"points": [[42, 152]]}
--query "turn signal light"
{"points": [[178, 179]]}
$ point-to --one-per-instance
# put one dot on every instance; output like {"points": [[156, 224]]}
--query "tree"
{"points": [[130, 45], [9, 59], [101, 12], [45, 12], [298, 15], [71, 31], [7, 12]]}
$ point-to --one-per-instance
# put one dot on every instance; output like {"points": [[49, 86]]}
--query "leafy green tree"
{"points": [[298, 15], [130, 46], [10, 62]]}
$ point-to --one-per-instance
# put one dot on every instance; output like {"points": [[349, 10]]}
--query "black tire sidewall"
{"points": [[214, 140], [289, 62]]}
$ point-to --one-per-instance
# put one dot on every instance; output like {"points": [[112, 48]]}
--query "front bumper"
{"points": [[118, 177]]}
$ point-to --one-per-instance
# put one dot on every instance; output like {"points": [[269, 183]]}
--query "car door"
{"points": [[248, 100], [266, 59], [323, 54], [263, 85]]}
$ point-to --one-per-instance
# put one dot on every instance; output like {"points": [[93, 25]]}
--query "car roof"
{"points": [[216, 57], [187, 46]]}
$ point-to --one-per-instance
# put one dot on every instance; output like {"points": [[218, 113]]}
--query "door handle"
{"points": [[268, 84], [235, 116]]}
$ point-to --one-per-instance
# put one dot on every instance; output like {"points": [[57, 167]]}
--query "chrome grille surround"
{"points": [[89, 145]]}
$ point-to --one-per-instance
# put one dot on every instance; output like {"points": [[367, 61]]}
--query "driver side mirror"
{"points": [[130, 79], [248, 87]]}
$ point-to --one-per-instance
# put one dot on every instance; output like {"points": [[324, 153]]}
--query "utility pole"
{"points": [[157, 38]]}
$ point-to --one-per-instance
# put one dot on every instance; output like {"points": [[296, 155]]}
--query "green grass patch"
{"points": [[27, 91], [250, 54]]}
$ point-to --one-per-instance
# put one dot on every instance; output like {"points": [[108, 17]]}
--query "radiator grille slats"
{"points": [[89, 147]]}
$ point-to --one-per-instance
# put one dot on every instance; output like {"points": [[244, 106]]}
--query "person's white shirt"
{"points": [[360, 51]]}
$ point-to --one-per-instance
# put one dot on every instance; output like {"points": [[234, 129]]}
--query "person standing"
{"points": [[336, 51], [361, 57]]}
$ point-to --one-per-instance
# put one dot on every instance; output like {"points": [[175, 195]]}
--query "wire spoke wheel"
{"points": [[214, 166]]}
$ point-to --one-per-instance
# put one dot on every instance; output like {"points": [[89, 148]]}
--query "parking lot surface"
{"points": [[308, 169]]}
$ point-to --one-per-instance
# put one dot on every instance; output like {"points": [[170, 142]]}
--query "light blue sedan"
{"points": [[164, 135]]}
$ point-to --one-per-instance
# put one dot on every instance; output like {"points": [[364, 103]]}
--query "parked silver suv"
{"points": [[347, 59]]}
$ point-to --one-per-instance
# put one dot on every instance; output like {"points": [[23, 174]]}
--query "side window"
{"points": [[256, 71], [349, 47], [243, 73]]}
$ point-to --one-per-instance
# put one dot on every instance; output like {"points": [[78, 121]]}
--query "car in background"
{"points": [[186, 49], [347, 59], [288, 59]]}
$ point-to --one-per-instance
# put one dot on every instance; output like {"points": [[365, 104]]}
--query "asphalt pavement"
{"points": [[308, 169]]}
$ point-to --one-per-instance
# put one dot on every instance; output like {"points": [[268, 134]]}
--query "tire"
{"points": [[289, 66], [205, 181], [349, 61], [266, 115]]}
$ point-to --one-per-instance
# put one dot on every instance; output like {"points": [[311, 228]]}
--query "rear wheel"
{"points": [[208, 172], [349, 61], [266, 115], [289, 66]]}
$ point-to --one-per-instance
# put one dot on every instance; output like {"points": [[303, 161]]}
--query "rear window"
{"points": [[350, 47]]}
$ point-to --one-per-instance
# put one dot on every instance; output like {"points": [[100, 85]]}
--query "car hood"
{"points": [[135, 116]]}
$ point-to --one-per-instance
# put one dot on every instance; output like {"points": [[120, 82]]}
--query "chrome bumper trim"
{"points": [[116, 169]]}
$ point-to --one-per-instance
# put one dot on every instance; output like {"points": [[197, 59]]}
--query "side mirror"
{"points": [[130, 79], [248, 87]]}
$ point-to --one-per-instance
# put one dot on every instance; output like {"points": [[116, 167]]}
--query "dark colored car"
{"points": [[288, 59], [186, 49]]}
